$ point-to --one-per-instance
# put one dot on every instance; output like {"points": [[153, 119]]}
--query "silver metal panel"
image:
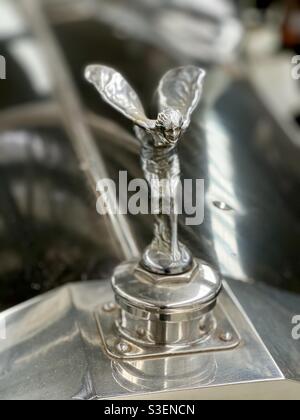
{"points": [[53, 351], [272, 311]]}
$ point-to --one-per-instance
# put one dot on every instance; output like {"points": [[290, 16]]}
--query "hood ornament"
{"points": [[166, 300], [179, 93]]}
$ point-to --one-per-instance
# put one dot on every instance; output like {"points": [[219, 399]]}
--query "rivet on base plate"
{"points": [[226, 337], [109, 307], [123, 347], [141, 332]]}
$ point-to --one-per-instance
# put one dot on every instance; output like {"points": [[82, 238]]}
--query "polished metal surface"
{"points": [[53, 351], [49, 230], [138, 338], [172, 311], [187, 30], [200, 285], [80, 133]]}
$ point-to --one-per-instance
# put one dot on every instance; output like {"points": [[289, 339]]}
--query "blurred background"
{"points": [[57, 137]]}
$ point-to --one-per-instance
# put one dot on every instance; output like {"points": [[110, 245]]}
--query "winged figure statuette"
{"points": [[179, 93]]}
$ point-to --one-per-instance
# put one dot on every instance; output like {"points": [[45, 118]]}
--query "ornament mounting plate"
{"points": [[116, 346]]}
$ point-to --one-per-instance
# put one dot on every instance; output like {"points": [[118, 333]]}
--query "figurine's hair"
{"points": [[169, 119]]}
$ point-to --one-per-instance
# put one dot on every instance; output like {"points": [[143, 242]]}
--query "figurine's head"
{"points": [[169, 126]]}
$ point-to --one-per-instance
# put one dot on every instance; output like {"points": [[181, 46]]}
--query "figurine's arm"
{"points": [[142, 135]]}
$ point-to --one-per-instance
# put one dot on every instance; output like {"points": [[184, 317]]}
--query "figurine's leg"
{"points": [[165, 255], [174, 234]]}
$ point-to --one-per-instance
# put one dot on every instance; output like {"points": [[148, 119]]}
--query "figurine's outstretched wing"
{"points": [[181, 89], [117, 92]]}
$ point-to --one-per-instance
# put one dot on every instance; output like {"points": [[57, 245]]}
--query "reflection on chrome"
{"points": [[12, 23], [168, 373], [29, 56], [206, 31], [221, 189]]}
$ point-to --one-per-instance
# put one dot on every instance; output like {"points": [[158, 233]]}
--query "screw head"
{"points": [[109, 307], [141, 332], [203, 325], [227, 337], [221, 205], [123, 347]]}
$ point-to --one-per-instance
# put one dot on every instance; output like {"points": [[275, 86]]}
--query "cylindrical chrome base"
{"points": [[166, 310], [194, 370]]}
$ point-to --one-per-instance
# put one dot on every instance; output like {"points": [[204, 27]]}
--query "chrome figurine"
{"points": [[179, 93]]}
